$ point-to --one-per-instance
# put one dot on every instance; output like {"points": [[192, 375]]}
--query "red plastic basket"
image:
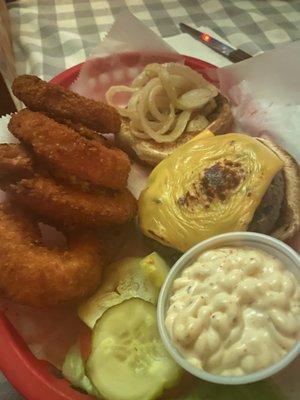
{"points": [[36, 379]]}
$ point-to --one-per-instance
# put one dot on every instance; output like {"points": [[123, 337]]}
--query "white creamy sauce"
{"points": [[234, 311]]}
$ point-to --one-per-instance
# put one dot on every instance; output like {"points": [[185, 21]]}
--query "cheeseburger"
{"points": [[218, 184]]}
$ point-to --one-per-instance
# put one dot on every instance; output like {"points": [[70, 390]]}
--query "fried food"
{"points": [[34, 275], [58, 102], [85, 132], [67, 175], [68, 153], [14, 160], [58, 204], [68, 206]]}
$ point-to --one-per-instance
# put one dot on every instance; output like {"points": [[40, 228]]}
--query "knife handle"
{"points": [[238, 55], [7, 105]]}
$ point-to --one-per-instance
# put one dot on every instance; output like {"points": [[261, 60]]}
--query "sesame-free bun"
{"points": [[153, 153], [288, 223]]}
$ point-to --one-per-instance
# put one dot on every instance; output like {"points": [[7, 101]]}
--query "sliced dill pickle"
{"points": [[128, 361], [124, 279]]}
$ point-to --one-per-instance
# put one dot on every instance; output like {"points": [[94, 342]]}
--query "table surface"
{"points": [[52, 35]]}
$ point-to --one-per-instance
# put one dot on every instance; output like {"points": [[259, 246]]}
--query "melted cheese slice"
{"points": [[164, 217]]}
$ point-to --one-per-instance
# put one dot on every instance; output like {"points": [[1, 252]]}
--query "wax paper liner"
{"points": [[264, 92], [120, 56]]}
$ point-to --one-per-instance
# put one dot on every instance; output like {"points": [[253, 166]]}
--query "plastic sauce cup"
{"points": [[289, 258]]}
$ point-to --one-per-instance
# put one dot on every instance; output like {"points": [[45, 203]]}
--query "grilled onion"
{"points": [[165, 99]]}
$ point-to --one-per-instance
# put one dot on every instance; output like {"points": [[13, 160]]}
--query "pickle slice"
{"points": [[156, 269], [128, 361], [124, 279]]}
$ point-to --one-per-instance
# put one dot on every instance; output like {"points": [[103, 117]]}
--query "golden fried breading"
{"points": [[60, 204], [68, 206], [14, 160], [34, 275], [64, 150], [58, 102], [84, 131]]}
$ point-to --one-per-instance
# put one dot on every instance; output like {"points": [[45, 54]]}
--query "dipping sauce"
{"points": [[234, 311]]}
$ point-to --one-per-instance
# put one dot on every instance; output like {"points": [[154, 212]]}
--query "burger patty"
{"points": [[268, 212]]}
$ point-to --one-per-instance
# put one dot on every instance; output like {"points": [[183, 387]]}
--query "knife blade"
{"points": [[226, 51]]}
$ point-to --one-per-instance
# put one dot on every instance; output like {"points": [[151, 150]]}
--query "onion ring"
{"points": [[61, 103], [58, 204], [34, 275], [66, 152]]}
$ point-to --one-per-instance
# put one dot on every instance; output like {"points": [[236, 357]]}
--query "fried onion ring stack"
{"points": [[63, 173]]}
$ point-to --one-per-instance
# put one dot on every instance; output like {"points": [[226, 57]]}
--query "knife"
{"points": [[7, 104], [226, 51]]}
